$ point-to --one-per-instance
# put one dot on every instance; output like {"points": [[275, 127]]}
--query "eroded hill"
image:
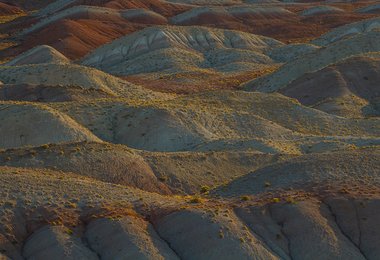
{"points": [[224, 129]]}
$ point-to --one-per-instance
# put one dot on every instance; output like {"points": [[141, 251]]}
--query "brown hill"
{"points": [[75, 38]]}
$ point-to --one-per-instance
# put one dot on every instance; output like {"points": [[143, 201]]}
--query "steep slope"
{"points": [[193, 233]]}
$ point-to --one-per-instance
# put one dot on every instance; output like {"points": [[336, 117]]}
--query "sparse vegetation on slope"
{"points": [[179, 129]]}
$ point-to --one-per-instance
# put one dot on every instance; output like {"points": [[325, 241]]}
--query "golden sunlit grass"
{"points": [[9, 18], [6, 44]]}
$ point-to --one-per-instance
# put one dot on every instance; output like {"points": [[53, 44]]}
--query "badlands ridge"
{"points": [[189, 129]]}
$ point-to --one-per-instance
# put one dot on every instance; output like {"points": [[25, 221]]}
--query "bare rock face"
{"points": [[309, 229], [357, 219], [209, 15], [195, 234], [125, 133], [127, 238], [53, 242], [3, 257], [312, 232], [259, 220]]}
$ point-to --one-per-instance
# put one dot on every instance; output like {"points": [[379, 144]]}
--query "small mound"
{"points": [[36, 125], [319, 10], [69, 75], [315, 227], [37, 55]]}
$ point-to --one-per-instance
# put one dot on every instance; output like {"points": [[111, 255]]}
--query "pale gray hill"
{"points": [[37, 55]]}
